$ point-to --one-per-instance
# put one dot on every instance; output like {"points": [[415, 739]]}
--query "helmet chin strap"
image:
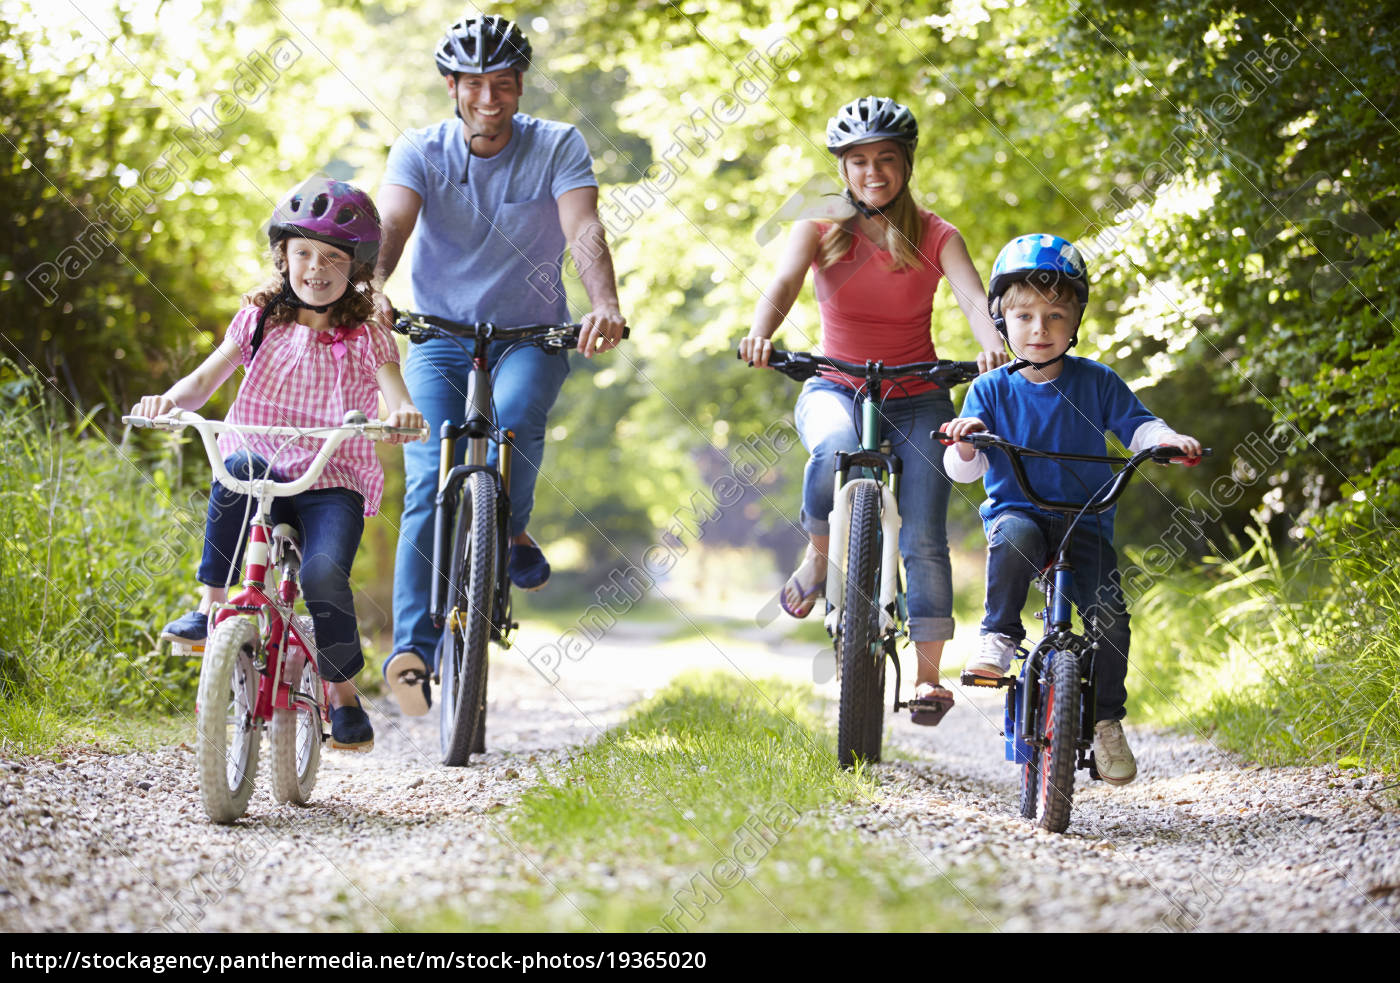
{"points": [[1023, 362], [289, 296]]}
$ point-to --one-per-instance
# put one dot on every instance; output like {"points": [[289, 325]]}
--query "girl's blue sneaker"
{"points": [[193, 627], [351, 729]]}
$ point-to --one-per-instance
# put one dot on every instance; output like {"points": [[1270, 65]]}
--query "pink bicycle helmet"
{"points": [[329, 211]]}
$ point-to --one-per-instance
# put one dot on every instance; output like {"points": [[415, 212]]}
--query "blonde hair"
{"points": [[903, 235], [353, 308]]}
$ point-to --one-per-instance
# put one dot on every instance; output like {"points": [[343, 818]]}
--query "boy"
{"points": [[1039, 289]]}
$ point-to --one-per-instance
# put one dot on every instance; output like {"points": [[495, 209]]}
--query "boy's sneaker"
{"points": [[993, 659], [351, 729], [193, 627], [1112, 756], [526, 566]]}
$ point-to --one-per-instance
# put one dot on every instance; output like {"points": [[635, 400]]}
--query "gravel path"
{"points": [[103, 842]]}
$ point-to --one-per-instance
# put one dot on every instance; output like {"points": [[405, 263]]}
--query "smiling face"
{"points": [[318, 272], [876, 172], [487, 102], [1040, 325]]}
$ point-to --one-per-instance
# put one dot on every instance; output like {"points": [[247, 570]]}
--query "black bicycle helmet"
{"points": [[868, 120], [477, 45]]}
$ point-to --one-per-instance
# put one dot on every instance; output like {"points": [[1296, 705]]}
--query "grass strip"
{"points": [[711, 810]]}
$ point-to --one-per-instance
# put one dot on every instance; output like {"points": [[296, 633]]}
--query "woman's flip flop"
{"points": [[806, 596], [930, 708]]}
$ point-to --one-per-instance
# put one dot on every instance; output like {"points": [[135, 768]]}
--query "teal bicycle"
{"points": [[867, 612]]}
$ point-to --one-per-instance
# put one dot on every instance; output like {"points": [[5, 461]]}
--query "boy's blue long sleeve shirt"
{"points": [[1070, 414]]}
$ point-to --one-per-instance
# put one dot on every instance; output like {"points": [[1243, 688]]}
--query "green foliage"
{"points": [[93, 560], [1287, 660], [1252, 218]]}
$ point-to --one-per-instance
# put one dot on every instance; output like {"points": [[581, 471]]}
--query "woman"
{"points": [[875, 275]]}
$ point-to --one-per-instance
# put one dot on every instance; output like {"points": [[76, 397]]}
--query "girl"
{"points": [[875, 274], [311, 354]]}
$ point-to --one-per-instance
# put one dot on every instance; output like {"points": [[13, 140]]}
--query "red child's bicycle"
{"points": [[260, 662]]}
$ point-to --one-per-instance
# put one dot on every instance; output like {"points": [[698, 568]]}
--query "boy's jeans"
{"points": [[1019, 544], [826, 425], [331, 521], [526, 386]]}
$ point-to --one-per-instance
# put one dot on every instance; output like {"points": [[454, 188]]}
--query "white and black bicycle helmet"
{"points": [[870, 119], [477, 45]]}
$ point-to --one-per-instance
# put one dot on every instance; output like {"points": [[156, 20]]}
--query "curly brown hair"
{"points": [[352, 309]]}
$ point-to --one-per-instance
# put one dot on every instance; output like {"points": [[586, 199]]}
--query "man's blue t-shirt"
{"points": [[491, 249], [1069, 414]]}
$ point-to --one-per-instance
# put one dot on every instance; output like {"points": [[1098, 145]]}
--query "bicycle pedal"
{"points": [[997, 682], [187, 650]]}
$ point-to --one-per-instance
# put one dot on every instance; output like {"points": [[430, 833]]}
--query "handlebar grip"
{"points": [[1165, 453]]}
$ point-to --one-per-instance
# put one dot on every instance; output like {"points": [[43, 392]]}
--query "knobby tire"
{"points": [[471, 588], [1061, 722], [226, 735], [860, 624]]}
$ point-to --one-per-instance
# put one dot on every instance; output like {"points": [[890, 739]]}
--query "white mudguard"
{"points": [[839, 549]]}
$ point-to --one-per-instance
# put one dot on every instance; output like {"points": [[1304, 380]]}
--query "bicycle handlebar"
{"points": [[1162, 454], [801, 366], [355, 424], [421, 327]]}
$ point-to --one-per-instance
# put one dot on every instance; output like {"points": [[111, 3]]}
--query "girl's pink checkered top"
{"points": [[301, 380]]}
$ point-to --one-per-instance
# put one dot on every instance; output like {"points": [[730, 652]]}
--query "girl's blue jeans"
{"points": [[526, 386], [331, 521], [827, 423], [1019, 544]]}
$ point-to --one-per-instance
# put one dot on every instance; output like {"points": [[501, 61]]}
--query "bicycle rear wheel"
{"points": [[857, 651], [471, 590], [227, 734], [296, 736], [1061, 722]]}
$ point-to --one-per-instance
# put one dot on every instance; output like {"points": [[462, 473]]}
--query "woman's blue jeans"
{"points": [[827, 423], [1019, 544], [526, 386], [331, 522]]}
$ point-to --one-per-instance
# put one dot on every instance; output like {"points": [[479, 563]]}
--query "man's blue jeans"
{"points": [[526, 386], [826, 425], [1019, 544], [331, 521]]}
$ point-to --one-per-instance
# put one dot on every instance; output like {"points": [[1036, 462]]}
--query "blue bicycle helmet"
{"points": [[1045, 260]]}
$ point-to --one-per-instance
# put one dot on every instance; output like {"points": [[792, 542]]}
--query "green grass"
{"points": [[93, 557], [1289, 661], [710, 810]]}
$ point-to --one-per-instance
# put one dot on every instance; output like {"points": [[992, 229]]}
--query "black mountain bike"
{"points": [[471, 529]]}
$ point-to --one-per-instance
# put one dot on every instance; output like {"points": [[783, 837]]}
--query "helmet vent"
{"points": [[319, 205], [344, 215]]}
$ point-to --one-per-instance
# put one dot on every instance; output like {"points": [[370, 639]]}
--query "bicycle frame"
{"points": [[480, 431]]}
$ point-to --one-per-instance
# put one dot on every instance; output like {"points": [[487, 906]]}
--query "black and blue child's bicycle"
{"points": [[1049, 718]]}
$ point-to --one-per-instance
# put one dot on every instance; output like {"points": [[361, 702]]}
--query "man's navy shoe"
{"points": [[193, 627], [527, 567], [351, 729]]}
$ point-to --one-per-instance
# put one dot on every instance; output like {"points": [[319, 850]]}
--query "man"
{"points": [[499, 194]]}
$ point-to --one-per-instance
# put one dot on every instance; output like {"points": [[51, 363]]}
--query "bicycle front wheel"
{"points": [[227, 734], [858, 651], [295, 736], [471, 589], [1061, 723]]}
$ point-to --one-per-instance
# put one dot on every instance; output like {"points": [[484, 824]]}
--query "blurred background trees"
{"points": [[1229, 169]]}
